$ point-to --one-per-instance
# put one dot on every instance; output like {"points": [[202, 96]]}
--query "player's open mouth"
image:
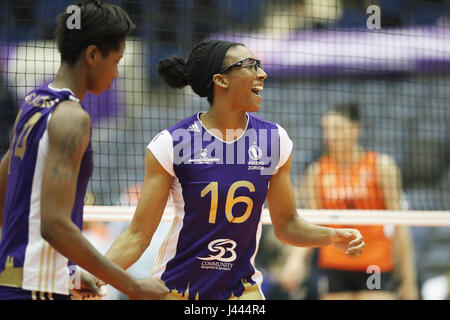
{"points": [[257, 90]]}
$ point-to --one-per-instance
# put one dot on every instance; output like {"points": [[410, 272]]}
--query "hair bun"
{"points": [[173, 71]]}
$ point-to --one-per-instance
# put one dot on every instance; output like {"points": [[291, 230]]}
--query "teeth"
{"points": [[257, 89]]}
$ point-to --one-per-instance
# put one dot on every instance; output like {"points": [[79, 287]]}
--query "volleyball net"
{"points": [[321, 217], [317, 54]]}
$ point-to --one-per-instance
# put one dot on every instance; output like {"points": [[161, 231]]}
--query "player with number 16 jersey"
{"points": [[219, 189], [219, 167]]}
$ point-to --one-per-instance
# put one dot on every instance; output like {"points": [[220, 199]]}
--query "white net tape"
{"points": [[343, 217]]}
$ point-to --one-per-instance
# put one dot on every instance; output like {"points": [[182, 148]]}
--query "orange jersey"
{"points": [[355, 187]]}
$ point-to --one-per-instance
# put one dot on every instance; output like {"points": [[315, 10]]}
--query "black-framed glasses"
{"points": [[246, 63]]}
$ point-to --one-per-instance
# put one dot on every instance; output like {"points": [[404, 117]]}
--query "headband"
{"points": [[210, 63]]}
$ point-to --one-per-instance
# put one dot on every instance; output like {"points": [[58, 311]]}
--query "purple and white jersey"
{"points": [[27, 261], [218, 193]]}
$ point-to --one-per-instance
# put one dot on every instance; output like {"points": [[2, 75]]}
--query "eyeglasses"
{"points": [[246, 63]]}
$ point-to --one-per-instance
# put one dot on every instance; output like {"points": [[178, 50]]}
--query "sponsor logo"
{"points": [[194, 127], [222, 255], [203, 159], [348, 188], [188, 148]]}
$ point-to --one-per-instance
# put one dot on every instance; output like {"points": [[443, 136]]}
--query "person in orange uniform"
{"points": [[349, 177]]}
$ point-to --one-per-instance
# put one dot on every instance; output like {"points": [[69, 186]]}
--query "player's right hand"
{"points": [[349, 241], [150, 289]]}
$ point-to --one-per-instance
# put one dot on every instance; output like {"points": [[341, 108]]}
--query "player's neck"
{"points": [[70, 78], [348, 158], [226, 121]]}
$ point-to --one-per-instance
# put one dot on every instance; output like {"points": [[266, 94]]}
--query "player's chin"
{"points": [[99, 90], [253, 106], [257, 101]]}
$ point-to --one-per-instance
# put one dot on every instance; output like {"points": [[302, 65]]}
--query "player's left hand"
{"points": [[349, 241], [90, 288]]}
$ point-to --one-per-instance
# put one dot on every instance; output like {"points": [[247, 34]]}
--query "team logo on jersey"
{"points": [[255, 153], [221, 256]]}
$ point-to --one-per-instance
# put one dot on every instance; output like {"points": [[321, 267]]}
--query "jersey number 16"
{"points": [[213, 188]]}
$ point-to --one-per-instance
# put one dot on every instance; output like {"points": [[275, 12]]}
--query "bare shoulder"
{"points": [[387, 166], [69, 117], [69, 131], [386, 161]]}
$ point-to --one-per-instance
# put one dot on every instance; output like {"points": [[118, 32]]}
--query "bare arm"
{"points": [[294, 269], [290, 228], [390, 178], [69, 134], [3, 177], [131, 244]]}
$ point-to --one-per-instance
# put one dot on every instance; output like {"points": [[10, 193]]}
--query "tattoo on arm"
{"points": [[69, 152]]}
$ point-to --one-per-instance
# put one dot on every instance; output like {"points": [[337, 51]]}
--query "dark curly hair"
{"points": [[178, 73], [102, 25]]}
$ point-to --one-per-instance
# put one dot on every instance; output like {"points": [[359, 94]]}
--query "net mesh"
{"points": [[317, 54]]}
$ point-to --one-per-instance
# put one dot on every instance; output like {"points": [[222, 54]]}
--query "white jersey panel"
{"points": [[44, 268], [162, 148]]}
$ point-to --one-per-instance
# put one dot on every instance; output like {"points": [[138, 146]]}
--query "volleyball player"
{"points": [[349, 177], [216, 168], [44, 175]]}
